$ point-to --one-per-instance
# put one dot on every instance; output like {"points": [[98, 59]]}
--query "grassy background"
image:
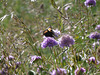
{"points": [[21, 34]]}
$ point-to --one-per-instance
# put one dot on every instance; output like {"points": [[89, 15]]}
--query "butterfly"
{"points": [[48, 32]]}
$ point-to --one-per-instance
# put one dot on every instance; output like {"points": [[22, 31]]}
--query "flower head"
{"points": [[94, 35], [48, 42], [80, 71], [39, 69], [34, 58], [76, 71], [2, 72], [89, 3], [66, 40], [97, 27], [59, 71], [10, 57], [64, 58], [98, 62], [93, 60], [53, 72], [67, 7], [17, 64], [2, 57]]}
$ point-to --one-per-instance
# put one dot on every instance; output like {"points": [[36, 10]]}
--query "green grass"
{"points": [[22, 35]]}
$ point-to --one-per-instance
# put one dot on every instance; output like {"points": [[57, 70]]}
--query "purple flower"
{"points": [[76, 71], [2, 72], [59, 71], [2, 57], [90, 3], [56, 32], [48, 42], [97, 27], [67, 7], [98, 62], [93, 60], [34, 58], [82, 70], [17, 64], [79, 71], [94, 35], [39, 69], [64, 58], [10, 57], [66, 40], [53, 72]]}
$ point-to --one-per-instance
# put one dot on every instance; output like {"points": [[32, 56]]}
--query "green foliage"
{"points": [[31, 72], [21, 34]]}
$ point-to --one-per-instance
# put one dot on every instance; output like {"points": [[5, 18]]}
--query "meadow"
{"points": [[74, 48]]}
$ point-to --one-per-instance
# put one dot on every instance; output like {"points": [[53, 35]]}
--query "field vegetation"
{"points": [[74, 48]]}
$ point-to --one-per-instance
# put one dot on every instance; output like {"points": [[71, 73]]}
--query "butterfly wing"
{"points": [[48, 32]]}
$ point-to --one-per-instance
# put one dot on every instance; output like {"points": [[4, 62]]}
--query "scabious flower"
{"points": [[93, 60], [59, 71], [89, 3], [80, 71], [64, 58], [56, 32], [94, 35], [97, 27], [10, 57], [2, 57], [39, 69], [17, 64], [66, 40], [53, 72], [34, 58], [2, 72], [49, 42], [67, 7]]}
